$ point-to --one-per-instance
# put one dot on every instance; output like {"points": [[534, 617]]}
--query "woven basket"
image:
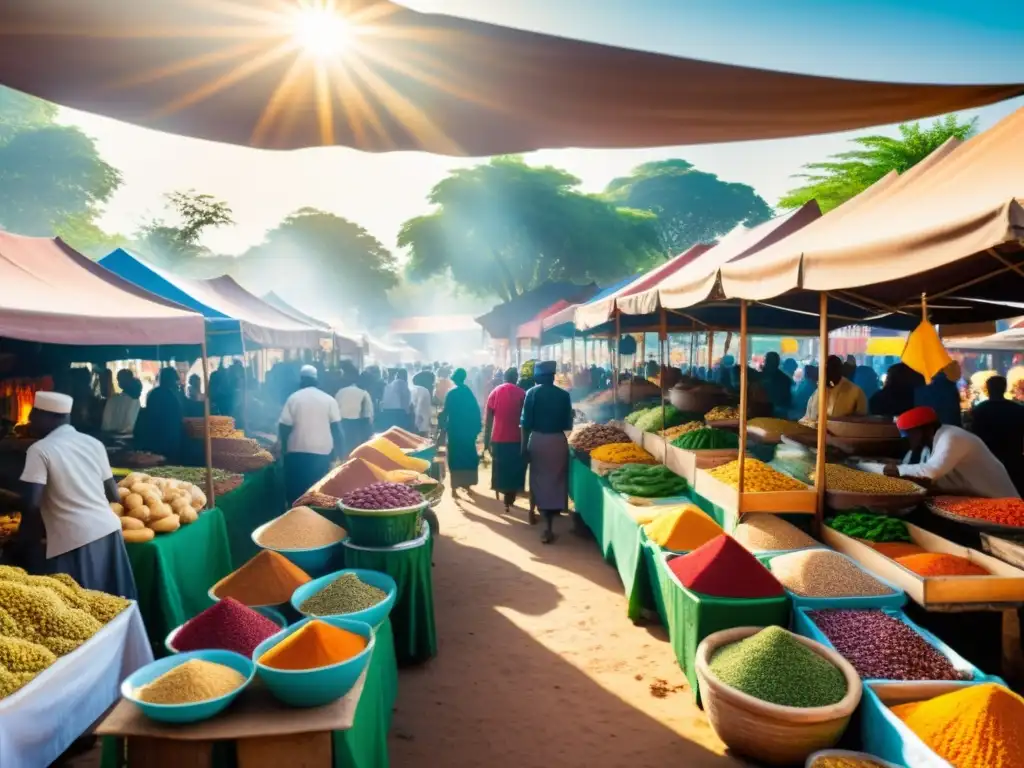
{"points": [[220, 426], [769, 732]]}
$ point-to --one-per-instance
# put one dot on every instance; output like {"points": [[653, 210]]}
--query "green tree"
{"points": [[847, 174], [692, 206], [504, 227], [85, 236], [195, 214]]}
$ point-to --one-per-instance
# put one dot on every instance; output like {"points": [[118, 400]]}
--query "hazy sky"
{"points": [[907, 40]]}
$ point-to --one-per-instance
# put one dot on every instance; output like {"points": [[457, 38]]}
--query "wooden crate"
{"points": [[686, 463], [1004, 588], [655, 445], [729, 498], [634, 433]]}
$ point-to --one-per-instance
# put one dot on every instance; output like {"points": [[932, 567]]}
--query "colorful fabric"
{"points": [[506, 403]]}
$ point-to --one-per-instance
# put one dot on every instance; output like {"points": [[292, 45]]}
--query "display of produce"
{"points": [[220, 426], [346, 594], [845, 761], [350, 476], [722, 568], [978, 726], [380, 496], [622, 453], [758, 477], [774, 666], [150, 505], [722, 413], [865, 525], [880, 646], [824, 573], [591, 436], [999, 511], [317, 644], [398, 456], [930, 564], [706, 439], [375, 458], [649, 481], [768, 533], [673, 432], [226, 625], [223, 481], [895, 549], [839, 477], [9, 524], [268, 578], [635, 416], [778, 426], [660, 417], [300, 528], [195, 680], [682, 529], [405, 439], [239, 454], [317, 499]]}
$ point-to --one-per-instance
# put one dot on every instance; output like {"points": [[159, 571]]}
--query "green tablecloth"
{"points": [[412, 616], [365, 745], [174, 572], [256, 501]]}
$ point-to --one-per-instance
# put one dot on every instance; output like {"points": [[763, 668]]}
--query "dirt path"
{"points": [[538, 664]]}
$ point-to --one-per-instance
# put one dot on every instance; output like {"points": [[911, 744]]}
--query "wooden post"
{"points": [[207, 442], [643, 351], [615, 370], [743, 395], [693, 346], [662, 343], [819, 459], [572, 361], [711, 350]]}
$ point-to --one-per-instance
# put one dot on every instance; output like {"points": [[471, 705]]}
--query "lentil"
{"points": [[940, 564], [758, 477], [824, 573], [317, 644], [227, 625], [880, 646], [267, 579], [896, 549], [839, 477], [682, 528], [768, 533], [981, 726], [301, 528], [622, 453], [195, 680], [1001, 511], [673, 432], [383, 495], [864, 525], [346, 594], [722, 568], [845, 761], [776, 667]]}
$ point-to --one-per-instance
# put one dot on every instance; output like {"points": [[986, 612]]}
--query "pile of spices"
{"points": [[226, 625], [846, 761], [317, 644], [300, 528], [195, 680], [880, 646], [722, 568], [768, 533], [267, 579], [776, 667], [895, 549], [865, 525], [682, 529], [758, 477], [824, 573], [839, 477], [1001, 511], [981, 726], [350, 476], [346, 594], [940, 564]]}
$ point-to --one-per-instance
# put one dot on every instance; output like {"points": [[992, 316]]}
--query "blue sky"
{"points": [[912, 40]]}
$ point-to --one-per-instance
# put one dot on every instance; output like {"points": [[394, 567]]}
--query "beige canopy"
{"points": [[403, 80]]}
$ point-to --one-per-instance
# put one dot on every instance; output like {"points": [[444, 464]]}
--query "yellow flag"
{"points": [[924, 351]]}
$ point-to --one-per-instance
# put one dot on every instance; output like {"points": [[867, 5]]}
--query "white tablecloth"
{"points": [[42, 719]]}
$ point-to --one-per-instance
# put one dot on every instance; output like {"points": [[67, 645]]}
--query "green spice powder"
{"points": [[346, 594], [775, 667]]}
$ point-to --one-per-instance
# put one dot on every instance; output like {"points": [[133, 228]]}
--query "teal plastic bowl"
{"points": [[315, 687], [195, 711], [315, 561], [275, 616], [373, 615]]}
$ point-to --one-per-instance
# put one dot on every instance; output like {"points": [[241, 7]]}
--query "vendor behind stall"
{"points": [[67, 524], [949, 459], [844, 397]]}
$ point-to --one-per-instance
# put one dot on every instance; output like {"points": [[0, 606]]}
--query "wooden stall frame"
{"points": [[775, 502], [820, 456], [686, 463], [207, 441]]}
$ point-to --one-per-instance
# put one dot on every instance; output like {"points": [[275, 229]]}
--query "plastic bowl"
{"points": [[195, 711], [373, 615], [312, 559], [275, 616], [319, 686], [382, 527]]}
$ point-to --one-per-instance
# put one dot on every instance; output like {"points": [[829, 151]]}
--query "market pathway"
{"points": [[538, 664]]}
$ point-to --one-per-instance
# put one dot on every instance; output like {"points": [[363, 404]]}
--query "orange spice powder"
{"points": [[267, 579], [318, 644]]}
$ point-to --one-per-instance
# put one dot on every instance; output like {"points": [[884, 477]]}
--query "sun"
{"points": [[321, 31]]}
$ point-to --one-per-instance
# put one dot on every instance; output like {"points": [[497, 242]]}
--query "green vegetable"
{"points": [[708, 438], [657, 418], [865, 525], [647, 481]]}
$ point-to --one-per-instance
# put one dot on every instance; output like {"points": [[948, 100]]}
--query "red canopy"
{"points": [[532, 329]]}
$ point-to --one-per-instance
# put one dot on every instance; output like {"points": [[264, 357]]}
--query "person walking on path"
{"points": [[547, 416], [460, 422], [310, 433], [356, 410], [502, 438]]}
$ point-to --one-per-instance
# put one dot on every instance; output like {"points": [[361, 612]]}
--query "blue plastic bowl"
{"points": [[373, 615], [313, 560], [195, 711], [275, 616], [315, 687]]}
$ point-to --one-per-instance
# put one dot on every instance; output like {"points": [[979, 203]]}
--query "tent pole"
{"points": [[743, 396], [572, 361], [207, 442], [615, 370], [711, 352], [662, 341], [693, 344], [819, 459]]}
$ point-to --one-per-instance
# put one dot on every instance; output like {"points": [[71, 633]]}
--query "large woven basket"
{"points": [[768, 732]]}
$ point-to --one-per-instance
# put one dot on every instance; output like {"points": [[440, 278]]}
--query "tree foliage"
{"points": [[847, 174], [504, 227], [195, 214], [692, 206]]}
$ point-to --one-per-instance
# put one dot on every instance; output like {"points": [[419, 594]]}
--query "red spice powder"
{"points": [[723, 568], [226, 625]]}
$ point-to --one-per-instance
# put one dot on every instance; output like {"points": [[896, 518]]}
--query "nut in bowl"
{"points": [[353, 593]]}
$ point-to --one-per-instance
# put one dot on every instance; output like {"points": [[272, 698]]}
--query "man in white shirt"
{"points": [[310, 433], [356, 408], [422, 406], [67, 523], [396, 404], [959, 462]]}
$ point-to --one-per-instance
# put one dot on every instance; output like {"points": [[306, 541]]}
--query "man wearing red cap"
{"points": [[950, 459]]}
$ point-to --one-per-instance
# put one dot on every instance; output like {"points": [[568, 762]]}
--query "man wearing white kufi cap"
{"points": [[309, 434], [67, 525]]}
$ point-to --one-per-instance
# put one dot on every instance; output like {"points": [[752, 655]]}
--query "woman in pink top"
{"points": [[502, 439]]}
